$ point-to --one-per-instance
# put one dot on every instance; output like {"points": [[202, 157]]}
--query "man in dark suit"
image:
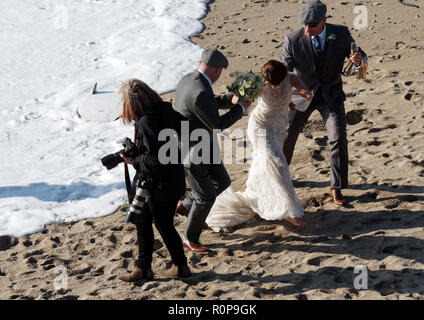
{"points": [[316, 53], [207, 176]]}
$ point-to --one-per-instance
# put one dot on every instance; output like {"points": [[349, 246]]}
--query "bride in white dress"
{"points": [[269, 190]]}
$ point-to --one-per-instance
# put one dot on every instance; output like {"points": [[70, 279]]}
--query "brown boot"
{"points": [[138, 274], [181, 210], [180, 272], [337, 197]]}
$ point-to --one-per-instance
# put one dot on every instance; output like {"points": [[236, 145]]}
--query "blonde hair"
{"points": [[136, 95]]}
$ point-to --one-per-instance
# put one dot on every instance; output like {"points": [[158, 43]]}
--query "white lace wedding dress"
{"points": [[269, 190]]}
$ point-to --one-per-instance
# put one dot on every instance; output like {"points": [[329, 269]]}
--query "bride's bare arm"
{"points": [[302, 90], [297, 82]]}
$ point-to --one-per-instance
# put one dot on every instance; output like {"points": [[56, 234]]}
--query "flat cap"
{"points": [[214, 58], [312, 13]]}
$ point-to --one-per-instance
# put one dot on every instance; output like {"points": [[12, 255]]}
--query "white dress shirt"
{"points": [[322, 37]]}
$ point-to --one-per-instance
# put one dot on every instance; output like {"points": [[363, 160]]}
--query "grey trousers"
{"points": [[335, 122], [207, 181]]}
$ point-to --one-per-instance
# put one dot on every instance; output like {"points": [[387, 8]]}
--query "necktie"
{"points": [[317, 45]]}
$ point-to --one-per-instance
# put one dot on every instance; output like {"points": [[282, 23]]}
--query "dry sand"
{"points": [[381, 227]]}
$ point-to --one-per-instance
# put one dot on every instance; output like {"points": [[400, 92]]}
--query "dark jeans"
{"points": [[162, 213], [335, 122]]}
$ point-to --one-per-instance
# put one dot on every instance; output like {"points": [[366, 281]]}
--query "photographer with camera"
{"points": [[162, 185]]}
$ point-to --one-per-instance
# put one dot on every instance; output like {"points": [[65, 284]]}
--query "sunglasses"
{"points": [[312, 25]]}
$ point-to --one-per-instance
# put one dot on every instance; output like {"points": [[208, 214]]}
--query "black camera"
{"points": [[142, 196], [112, 160]]}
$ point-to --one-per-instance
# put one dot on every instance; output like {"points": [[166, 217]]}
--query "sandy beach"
{"points": [[381, 227]]}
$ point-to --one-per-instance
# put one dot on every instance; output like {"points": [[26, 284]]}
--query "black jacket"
{"points": [[168, 179]]}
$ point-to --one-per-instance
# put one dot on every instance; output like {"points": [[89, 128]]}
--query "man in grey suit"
{"points": [[316, 53], [207, 176]]}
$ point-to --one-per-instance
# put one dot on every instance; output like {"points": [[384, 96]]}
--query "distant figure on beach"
{"points": [[196, 101], [316, 53], [152, 115], [269, 190]]}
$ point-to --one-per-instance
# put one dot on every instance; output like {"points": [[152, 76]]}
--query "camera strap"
{"points": [[128, 185], [131, 187]]}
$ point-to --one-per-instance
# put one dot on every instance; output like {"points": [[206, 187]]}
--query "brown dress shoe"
{"points": [[181, 210], [337, 197], [138, 274], [193, 246], [178, 271]]}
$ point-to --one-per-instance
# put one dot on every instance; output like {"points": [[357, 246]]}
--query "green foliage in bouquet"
{"points": [[247, 86]]}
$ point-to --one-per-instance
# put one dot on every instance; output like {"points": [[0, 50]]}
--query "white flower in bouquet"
{"points": [[247, 86]]}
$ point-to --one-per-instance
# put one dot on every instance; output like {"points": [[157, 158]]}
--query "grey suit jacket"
{"points": [[196, 102], [298, 55]]}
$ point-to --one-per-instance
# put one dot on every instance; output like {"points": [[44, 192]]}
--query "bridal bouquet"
{"points": [[247, 86]]}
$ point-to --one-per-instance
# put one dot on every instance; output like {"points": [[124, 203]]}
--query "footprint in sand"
{"points": [[55, 239], [34, 253], [314, 201], [229, 252], [317, 261], [126, 254], [314, 126], [316, 154], [99, 271], [374, 113], [390, 74], [83, 270], [120, 228], [366, 170], [27, 243], [324, 172], [276, 239], [48, 264], [194, 260], [392, 203], [408, 96], [218, 293], [374, 142], [400, 45], [372, 195], [376, 130], [266, 228], [322, 142], [112, 238], [354, 117], [32, 261]]}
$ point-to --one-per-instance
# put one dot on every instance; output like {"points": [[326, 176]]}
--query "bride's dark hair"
{"points": [[274, 72]]}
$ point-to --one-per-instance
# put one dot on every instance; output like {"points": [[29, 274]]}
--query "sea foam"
{"points": [[52, 53]]}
